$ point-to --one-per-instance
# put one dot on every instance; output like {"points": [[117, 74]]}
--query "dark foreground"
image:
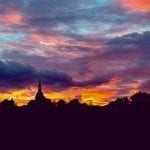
{"points": [[44, 125]]}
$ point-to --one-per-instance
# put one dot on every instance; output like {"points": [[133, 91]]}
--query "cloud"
{"points": [[11, 18], [145, 86], [135, 39], [15, 75], [143, 5], [81, 17], [18, 75]]}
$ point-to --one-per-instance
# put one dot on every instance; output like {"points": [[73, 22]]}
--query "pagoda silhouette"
{"points": [[39, 95], [41, 103]]}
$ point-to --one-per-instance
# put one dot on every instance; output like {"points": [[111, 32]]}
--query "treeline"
{"points": [[122, 110], [72, 125], [137, 102]]}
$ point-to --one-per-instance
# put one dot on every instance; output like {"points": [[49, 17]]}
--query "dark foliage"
{"points": [[46, 125]]}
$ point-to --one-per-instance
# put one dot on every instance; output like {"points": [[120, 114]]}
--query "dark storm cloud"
{"points": [[130, 46], [125, 48], [93, 82], [13, 74], [142, 40], [16, 75]]}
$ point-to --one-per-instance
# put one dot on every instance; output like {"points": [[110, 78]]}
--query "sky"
{"points": [[93, 50]]}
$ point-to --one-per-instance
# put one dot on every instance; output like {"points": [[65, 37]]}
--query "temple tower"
{"points": [[39, 96]]}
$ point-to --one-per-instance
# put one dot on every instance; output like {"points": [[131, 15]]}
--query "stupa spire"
{"points": [[39, 95]]}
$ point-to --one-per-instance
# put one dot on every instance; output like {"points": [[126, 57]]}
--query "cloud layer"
{"points": [[82, 44], [17, 75]]}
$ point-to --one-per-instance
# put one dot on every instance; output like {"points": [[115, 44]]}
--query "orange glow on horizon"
{"points": [[99, 95], [94, 96], [91, 96], [143, 5], [21, 97]]}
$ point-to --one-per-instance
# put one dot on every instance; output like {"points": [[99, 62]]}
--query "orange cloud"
{"points": [[143, 5], [12, 17]]}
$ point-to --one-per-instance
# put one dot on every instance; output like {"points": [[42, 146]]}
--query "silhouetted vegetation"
{"points": [[73, 121], [122, 109]]}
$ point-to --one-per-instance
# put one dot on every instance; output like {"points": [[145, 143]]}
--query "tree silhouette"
{"points": [[7, 106], [55, 125]]}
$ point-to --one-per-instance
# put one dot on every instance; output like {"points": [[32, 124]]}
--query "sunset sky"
{"points": [[94, 50]]}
